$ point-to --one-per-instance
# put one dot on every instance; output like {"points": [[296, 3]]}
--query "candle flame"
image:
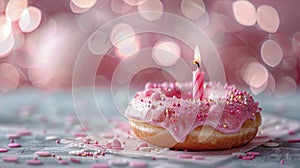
{"points": [[197, 58]]}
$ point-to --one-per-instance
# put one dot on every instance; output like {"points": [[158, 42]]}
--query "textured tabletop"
{"points": [[49, 130]]}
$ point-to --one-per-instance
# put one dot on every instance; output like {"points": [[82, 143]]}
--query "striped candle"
{"points": [[198, 77]]}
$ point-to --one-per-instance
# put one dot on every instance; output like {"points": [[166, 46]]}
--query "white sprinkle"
{"points": [[51, 138], [271, 144]]}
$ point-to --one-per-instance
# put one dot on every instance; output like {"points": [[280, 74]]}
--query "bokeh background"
{"points": [[258, 41]]}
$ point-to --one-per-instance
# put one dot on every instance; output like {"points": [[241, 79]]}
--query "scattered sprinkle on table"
{"points": [[10, 159], [25, 132], [118, 162], [13, 136], [2, 150], [271, 144], [253, 153], [198, 157], [281, 161], [80, 134], [138, 164], [43, 154], [34, 162], [51, 138], [238, 154], [63, 162], [100, 165], [184, 156], [247, 158], [14, 145], [74, 160], [295, 140]]}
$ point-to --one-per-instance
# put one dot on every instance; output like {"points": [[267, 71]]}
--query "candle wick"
{"points": [[197, 63]]}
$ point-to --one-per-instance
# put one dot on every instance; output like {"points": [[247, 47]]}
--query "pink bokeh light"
{"points": [[258, 41]]}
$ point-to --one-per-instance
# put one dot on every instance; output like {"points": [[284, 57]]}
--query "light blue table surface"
{"points": [[56, 106]]}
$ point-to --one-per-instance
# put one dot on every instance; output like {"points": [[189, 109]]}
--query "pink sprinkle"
{"points": [[79, 134], [75, 160], [138, 164], [291, 132], [148, 85], [247, 158], [148, 92], [43, 154], [118, 162], [116, 143], [184, 156], [108, 145], [57, 141], [14, 145], [62, 162], [25, 132], [253, 153], [13, 136], [281, 161], [100, 165], [143, 144], [34, 162], [2, 150], [198, 157], [294, 140], [156, 96], [10, 159], [117, 148]]}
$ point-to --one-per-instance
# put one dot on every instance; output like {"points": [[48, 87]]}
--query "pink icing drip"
{"points": [[170, 106]]}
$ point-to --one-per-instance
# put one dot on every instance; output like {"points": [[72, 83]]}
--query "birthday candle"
{"points": [[198, 76]]}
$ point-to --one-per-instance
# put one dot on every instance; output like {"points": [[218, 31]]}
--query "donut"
{"points": [[165, 115]]}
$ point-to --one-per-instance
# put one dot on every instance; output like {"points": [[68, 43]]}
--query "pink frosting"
{"points": [[170, 106]]}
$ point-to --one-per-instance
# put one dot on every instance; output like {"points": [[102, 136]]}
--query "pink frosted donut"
{"points": [[165, 115]]}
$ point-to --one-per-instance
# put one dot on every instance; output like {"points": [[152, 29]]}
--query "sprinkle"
{"points": [[247, 158], [138, 164], [99, 165], [143, 144], [296, 140], [198, 157], [80, 134], [10, 159], [118, 162], [63, 162], [282, 161], [145, 149], [184, 156], [43, 154], [74, 160], [108, 145], [291, 132], [116, 143], [13, 136], [2, 150], [271, 144], [25, 132], [51, 138], [14, 145], [239, 154], [34, 162], [253, 153]]}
